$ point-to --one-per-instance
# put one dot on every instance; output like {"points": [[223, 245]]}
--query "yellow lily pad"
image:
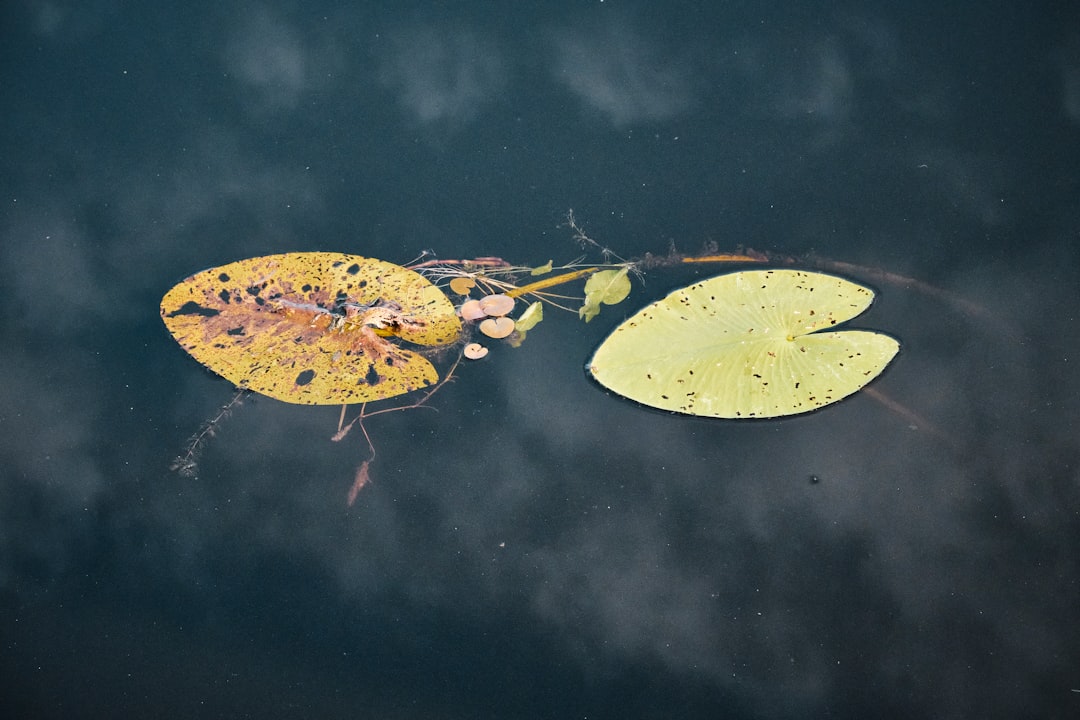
{"points": [[317, 328]]}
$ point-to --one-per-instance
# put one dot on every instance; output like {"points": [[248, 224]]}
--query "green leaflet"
{"points": [[532, 315], [607, 287]]}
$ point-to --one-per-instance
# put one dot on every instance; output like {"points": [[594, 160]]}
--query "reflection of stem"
{"points": [[419, 403], [916, 421], [961, 304], [361, 479], [362, 476]]}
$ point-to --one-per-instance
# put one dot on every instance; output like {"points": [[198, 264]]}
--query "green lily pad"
{"points": [[752, 344]]}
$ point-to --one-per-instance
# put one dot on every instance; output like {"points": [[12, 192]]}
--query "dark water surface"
{"points": [[534, 547]]}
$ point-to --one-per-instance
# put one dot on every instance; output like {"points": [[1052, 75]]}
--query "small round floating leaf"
{"points": [[746, 345], [474, 351], [497, 305], [315, 328], [497, 327], [462, 285], [471, 310]]}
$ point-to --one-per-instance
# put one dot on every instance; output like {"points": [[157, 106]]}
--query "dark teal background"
{"points": [[533, 547]]}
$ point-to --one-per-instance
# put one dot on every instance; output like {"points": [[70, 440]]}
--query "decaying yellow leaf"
{"points": [[317, 328]]}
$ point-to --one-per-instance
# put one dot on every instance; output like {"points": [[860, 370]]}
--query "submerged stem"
{"points": [[551, 282]]}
